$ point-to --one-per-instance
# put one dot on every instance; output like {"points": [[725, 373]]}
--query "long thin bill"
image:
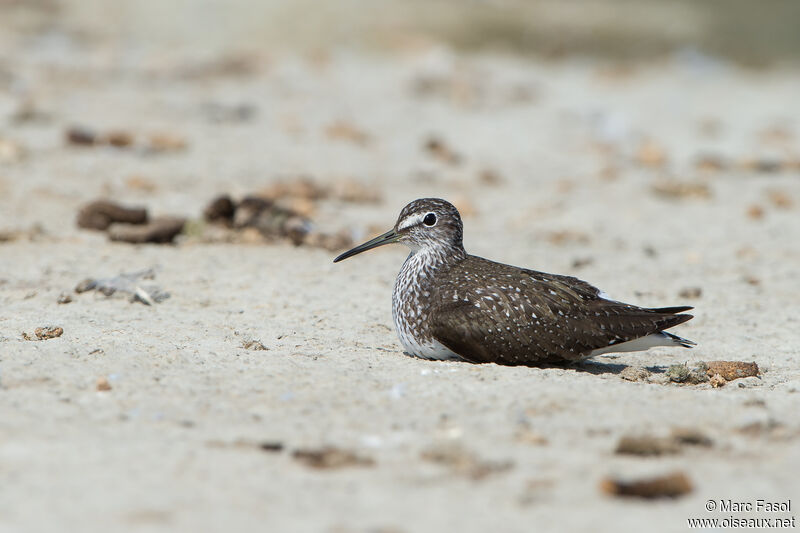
{"points": [[387, 238]]}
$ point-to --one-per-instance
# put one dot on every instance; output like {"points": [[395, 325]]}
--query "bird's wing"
{"points": [[549, 319]]}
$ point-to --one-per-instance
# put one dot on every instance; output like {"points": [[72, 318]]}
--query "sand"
{"points": [[194, 432]]}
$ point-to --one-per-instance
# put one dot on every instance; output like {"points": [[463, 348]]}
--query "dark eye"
{"points": [[429, 220]]}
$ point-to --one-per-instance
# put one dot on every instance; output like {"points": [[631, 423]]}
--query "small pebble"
{"points": [[103, 384], [64, 298], [666, 486]]}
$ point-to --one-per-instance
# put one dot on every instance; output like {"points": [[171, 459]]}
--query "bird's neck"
{"points": [[435, 257]]}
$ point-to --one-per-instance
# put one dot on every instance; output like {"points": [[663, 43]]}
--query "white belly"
{"points": [[430, 350], [411, 314]]}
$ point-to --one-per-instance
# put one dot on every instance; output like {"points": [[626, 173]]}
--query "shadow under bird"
{"points": [[447, 304]]}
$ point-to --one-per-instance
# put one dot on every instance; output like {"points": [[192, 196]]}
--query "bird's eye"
{"points": [[429, 220]]}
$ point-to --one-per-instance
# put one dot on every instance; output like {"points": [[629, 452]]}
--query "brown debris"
{"points": [[770, 428], [440, 150], [463, 462], [711, 163], [221, 209], [491, 177], [564, 237], [160, 230], [100, 214], [764, 165], [119, 138], [80, 136], [258, 218], [691, 437], [103, 384], [680, 189], [635, 373], [254, 344], [666, 486], [345, 131], [140, 183], [730, 370], [330, 457], [682, 374], [716, 381], [646, 445], [45, 333], [158, 142], [580, 262], [651, 154], [755, 212], [528, 436], [64, 298], [691, 293], [165, 142], [780, 199]]}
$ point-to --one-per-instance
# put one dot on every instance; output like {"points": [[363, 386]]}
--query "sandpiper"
{"points": [[448, 304]]}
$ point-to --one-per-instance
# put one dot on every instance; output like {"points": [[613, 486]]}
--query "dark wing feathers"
{"points": [[523, 317]]}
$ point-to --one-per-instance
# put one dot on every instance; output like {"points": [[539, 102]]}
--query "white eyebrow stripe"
{"points": [[411, 221]]}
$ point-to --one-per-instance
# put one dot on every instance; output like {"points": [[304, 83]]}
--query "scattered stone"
{"points": [[226, 113], [730, 370], [140, 183], [780, 199], [160, 230], [462, 462], [674, 189], [165, 142], [103, 384], [691, 293], [635, 373], [666, 486], [528, 436], [651, 154], [565, 237], [48, 332], [64, 298], [691, 437], [752, 280], [253, 344], [717, 381], [711, 163], [439, 149], [221, 209], [346, 131], [271, 446], [755, 212], [646, 445], [769, 428], [330, 457], [488, 176], [80, 136], [100, 214], [118, 139], [764, 165]]}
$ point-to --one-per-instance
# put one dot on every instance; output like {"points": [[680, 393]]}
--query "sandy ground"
{"points": [[581, 150]]}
